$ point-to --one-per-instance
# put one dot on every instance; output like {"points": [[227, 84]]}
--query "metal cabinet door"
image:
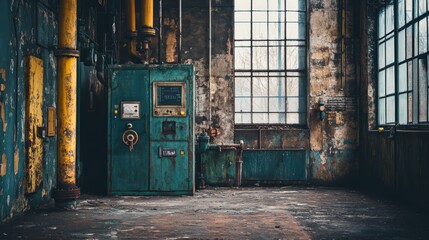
{"points": [[129, 169]]}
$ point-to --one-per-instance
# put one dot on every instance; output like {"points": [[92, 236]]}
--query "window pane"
{"points": [[242, 104], [381, 23], [410, 75], [242, 5], [277, 86], [390, 109], [295, 58], [260, 86], [402, 81], [293, 118], [260, 5], [260, 16], [402, 108], [295, 5], [410, 42], [276, 118], [390, 51], [295, 30], [242, 58], [381, 84], [276, 30], [409, 10], [242, 118], [242, 87], [242, 17], [382, 111], [292, 104], [276, 5], [277, 104], [381, 56], [390, 20], [401, 46], [293, 87], [242, 31], [260, 118], [390, 80], [423, 36], [259, 59], [423, 111], [410, 107], [260, 31], [422, 6], [260, 104], [401, 13], [276, 58]]}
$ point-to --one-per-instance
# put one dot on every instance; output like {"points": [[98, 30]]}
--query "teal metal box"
{"points": [[151, 130]]}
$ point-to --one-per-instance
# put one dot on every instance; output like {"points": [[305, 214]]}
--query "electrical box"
{"points": [[151, 130]]}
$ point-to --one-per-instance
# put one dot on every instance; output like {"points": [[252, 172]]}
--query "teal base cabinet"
{"points": [[218, 168], [151, 130], [274, 166]]}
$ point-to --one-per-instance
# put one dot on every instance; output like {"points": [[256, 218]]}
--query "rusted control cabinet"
{"points": [[151, 130]]}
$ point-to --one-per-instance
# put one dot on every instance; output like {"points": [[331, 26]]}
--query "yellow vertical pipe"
{"points": [[131, 16], [146, 17], [67, 24], [67, 105]]}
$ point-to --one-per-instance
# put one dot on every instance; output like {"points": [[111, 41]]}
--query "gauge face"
{"points": [[130, 110]]}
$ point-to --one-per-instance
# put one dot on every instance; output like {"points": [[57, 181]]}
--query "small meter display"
{"points": [[169, 95], [130, 110]]}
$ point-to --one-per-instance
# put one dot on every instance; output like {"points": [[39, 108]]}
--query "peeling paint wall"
{"points": [[214, 94], [333, 140], [36, 28]]}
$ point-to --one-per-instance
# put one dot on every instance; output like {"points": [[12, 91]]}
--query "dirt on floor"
{"points": [[225, 213]]}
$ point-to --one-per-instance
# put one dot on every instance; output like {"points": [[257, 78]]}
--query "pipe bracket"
{"points": [[67, 52]]}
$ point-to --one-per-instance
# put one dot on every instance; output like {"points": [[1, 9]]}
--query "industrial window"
{"points": [[270, 61], [402, 62]]}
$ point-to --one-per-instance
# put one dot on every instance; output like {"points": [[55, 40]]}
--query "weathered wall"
{"points": [[36, 28], [392, 164], [214, 109], [333, 140]]}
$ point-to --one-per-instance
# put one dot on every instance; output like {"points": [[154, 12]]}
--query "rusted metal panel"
{"points": [[34, 120], [218, 167], [273, 137]]}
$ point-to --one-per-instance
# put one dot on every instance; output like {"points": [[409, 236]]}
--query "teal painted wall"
{"points": [[36, 28]]}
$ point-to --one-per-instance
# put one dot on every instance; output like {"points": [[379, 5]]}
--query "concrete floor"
{"points": [[245, 213]]}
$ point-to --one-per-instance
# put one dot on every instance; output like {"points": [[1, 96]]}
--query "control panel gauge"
{"points": [[130, 110]]}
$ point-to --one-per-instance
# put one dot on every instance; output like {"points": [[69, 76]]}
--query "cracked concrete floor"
{"points": [[244, 213]]}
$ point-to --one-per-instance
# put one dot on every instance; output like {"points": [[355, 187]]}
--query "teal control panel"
{"points": [[151, 130]]}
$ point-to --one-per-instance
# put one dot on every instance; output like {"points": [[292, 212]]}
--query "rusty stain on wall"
{"points": [[333, 140], [16, 161], [34, 120], [170, 40], [3, 169]]}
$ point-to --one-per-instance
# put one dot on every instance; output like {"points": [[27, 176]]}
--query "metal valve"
{"points": [[130, 138]]}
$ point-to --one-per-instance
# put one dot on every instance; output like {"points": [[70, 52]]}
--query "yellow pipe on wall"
{"points": [[146, 17], [67, 24], [67, 101], [132, 30], [131, 16]]}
